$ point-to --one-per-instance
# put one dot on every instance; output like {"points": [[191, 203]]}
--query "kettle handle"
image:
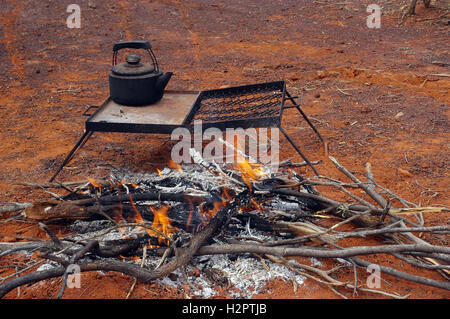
{"points": [[138, 44], [132, 45]]}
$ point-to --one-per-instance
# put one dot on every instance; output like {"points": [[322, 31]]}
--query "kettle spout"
{"points": [[162, 81]]}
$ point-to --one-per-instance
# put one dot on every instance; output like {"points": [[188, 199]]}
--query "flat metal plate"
{"points": [[161, 117]]}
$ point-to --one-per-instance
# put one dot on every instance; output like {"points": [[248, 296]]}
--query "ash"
{"points": [[242, 276], [248, 276], [86, 230], [193, 180], [245, 276]]}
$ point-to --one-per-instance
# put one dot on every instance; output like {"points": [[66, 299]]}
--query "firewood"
{"points": [[46, 210]]}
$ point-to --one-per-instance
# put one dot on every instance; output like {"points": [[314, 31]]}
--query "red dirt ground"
{"points": [[354, 82]]}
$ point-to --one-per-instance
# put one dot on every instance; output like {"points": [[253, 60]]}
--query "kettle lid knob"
{"points": [[133, 59]]}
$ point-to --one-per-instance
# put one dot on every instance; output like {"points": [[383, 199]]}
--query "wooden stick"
{"points": [[60, 185], [373, 194], [14, 207], [144, 256]]}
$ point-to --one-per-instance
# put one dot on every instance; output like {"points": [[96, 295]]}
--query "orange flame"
{"points": [[257, 205], [191, 211], [159, 172], [119, 219], [210, 213], [161, 222], [250, 172], [176, 166], [137, 217], [226, 198], [95, 183]]}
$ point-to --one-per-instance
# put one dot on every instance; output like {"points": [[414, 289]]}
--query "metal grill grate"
{"points": [[245, 103]]}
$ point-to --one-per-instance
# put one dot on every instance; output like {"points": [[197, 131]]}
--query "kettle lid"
{"points": [[133, 67]]}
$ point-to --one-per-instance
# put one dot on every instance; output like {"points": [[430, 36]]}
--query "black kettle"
{"points": [[134, 83]]}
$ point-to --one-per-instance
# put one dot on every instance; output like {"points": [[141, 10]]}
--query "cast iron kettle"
{"points": [[134, 83]]}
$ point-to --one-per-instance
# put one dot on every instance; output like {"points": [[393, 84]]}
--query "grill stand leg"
{"points": [[298, 150], [310, 124], [297, 106], [80, 144]]}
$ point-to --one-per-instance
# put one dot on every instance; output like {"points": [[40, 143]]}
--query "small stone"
{"points": [[317, 95], [404, 173], [91, 4]]}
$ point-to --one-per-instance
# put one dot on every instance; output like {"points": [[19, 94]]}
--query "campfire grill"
{"points": [[247, 106], [256, 105]]}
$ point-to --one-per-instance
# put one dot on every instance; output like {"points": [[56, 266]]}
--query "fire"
{"points": [[226, 198], [208, 214], [250, 172], [120, 204], [176, 166], [137, 217], [95, 183], [161, 222], [216, 207], [256, 204], [191, 211], [159, 172]]}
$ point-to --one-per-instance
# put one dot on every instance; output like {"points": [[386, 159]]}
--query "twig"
{"points": [[329, 281], [21, 271], [59, 184], [144, 257], [375, 196], [14, 207], [289, 163], [101, 212], [343, 92], [372, 232], [441, 74], [420, 264], [53, 237], [90, 246]]}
